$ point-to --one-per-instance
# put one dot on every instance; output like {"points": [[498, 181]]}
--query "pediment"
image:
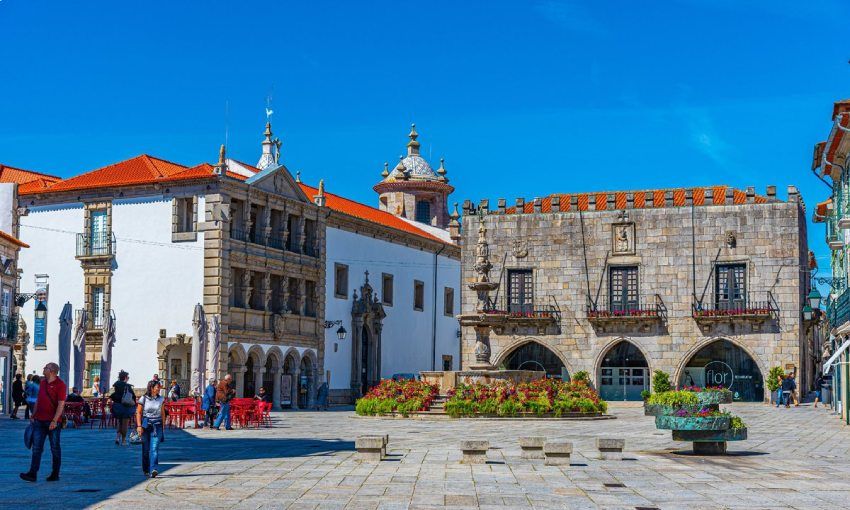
{"points": [[278, 180]]}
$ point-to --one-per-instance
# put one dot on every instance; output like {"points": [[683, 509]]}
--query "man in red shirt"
{"points": [[45, 422]]}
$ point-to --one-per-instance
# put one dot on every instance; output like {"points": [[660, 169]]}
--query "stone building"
{"points": [[704, 283]]}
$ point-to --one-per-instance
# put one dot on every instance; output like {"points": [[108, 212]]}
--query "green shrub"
{"points": [[457, 408], [674, 399], [509, 408], [366, 407], [773, 378], [644, 395], [489, 406], [737, 423], [581, 376], [539, 405], [411, 406], [386, 406], [661, 382], [585, 405], [602, 406]]}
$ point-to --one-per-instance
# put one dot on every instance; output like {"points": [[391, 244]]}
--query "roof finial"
{"points": [[441, 172], [321, 187], [298, 176], [413, 145], [221, 156], [268, 132], [400, 169], [386, 172], [319, 198]]}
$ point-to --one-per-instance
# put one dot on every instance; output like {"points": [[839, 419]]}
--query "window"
{"points": [[310, 296], [520, 290], [292, 299], [277, 303], [310, 238], [184, 209], [98, 236], [623, 288], [447, 362], [97, 300], [423, 211], [255, 233], [449, 301], [418, 295], [341, 281], [293, 242], [238, 293], [730, 286], [5, 311], [94, 371], [257, 291], [387, 289]]}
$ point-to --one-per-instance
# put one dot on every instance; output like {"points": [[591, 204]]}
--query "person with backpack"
{"points": [[46, 416], [224, 393], [788, 388], [150, 416], [123, 405]]}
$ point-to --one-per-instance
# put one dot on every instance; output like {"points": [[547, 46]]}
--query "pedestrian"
{"points": [[224, 393], [788, 387], [208, 403], [75, 396], [322, 397], [45, 422], [95, 388], [123, 405], [263, 396], [779, 393], [31, 394], [818, 388], [794, 391], [18, 396], [150, 415], [174, 392]]}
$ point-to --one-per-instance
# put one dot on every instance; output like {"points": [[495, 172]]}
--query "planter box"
{"points": [[710, 436], [657, 410], [714, 397], [717, 423]]}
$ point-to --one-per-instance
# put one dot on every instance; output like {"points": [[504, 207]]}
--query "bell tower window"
{"points": [[423, 211]]}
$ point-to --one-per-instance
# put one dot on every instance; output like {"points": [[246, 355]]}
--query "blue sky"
{"points": [[521, 98]]}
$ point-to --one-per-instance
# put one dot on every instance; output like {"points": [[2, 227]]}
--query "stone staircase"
{"points": [[437, 409]]}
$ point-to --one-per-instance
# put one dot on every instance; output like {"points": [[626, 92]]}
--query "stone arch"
{"points": [[726, 371], [257, 351], [309, 372], [239, 353], [506, 352], [624, 380], [254, 368], [290, 366], [708, 341], [271, 374], [169, 359], [236, 358]]}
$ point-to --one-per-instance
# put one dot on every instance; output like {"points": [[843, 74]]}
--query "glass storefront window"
{"points": [[533, 356], [723, 363]]}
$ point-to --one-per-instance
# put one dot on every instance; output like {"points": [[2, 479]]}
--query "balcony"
{"points": [[834, 234], [745, 309], [9, 328], [644, 309], [842, 207], [95, 247], [501, 315], [838, 309]]}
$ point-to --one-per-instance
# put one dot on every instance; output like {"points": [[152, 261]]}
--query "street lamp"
{"points": [[807, 312], [341, 332], [814, 299]]}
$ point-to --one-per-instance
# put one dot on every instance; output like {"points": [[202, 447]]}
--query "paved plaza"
{"points": [[795, 458]]}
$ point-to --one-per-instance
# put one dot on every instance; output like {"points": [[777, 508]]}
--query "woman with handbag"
{"points": [[123, 404], [150, 415]]}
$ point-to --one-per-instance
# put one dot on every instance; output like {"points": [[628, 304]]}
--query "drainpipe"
{"points": [[434, 315]]}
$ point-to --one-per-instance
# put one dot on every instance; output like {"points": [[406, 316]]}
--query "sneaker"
{"points": [[27, 477], [52, 478], [154, 472]]}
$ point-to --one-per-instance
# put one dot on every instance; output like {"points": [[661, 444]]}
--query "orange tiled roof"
{"points": [[12, 239], [142, 169], [822, 210], [833, 143], [26, 179], [598, 201], [365, 212]]}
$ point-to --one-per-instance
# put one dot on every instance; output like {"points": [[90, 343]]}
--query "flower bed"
{"points": [[403, 397], [542, 397]]}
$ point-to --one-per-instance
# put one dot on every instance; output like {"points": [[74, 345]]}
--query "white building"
{"points": [[275, 261]]}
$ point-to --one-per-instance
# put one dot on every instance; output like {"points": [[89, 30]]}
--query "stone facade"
{"points": [[570, 243]]}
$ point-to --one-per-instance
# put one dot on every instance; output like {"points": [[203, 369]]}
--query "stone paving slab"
{"points": [[795, 458]]}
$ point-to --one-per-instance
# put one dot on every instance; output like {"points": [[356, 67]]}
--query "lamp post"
{"points": [[341, 332]]}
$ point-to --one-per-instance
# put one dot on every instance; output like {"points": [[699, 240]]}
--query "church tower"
{"points": [[413, 190]]}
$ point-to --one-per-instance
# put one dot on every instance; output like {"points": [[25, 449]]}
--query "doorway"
{"points": [[624, 373]]}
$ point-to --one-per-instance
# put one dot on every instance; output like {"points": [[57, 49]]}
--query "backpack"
{"points": [[127, 398]]}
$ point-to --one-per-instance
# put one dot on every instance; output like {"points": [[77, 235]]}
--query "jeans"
{"points": [[209, 416], [779, 397], [41, 431], [223, 415], [151, 438]]}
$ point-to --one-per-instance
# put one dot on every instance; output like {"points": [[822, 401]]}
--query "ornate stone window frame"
{"points": [[177, 235], [340, 291]]}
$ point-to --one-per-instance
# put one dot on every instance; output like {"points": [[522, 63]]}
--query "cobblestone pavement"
{"points": [[795, 458]]}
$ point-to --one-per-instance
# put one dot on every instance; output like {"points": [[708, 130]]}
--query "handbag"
{"points": [[127, 398], [134, 437], [28, 432]]}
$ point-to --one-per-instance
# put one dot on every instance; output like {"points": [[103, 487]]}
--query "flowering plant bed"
{"points": [[704, 418], [543, 397], [733, 312], [403, 397], [693, 414], [635, 312]]}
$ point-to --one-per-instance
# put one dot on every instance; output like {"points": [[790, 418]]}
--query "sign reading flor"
{"points": [[718, 373]]}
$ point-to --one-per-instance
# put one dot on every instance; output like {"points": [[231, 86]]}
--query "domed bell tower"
{"points": [[413, 190]]}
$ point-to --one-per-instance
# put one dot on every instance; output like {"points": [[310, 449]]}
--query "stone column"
{"points": [[312, 386], [296, 378], [267, 224], [258, 379], [267, 291], [301, 237], [302, 302], [247, 289], [276, 389], [239, 375], [482, 349]]}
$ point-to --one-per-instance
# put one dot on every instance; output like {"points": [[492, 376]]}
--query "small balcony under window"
{"points": [[95, 246]]}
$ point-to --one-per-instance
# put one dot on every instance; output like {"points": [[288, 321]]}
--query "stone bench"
{"points": [[610, 448], [532, 446], [558, 454], [370, 448], [474, 452]]}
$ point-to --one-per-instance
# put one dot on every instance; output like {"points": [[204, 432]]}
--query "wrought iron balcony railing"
{"points": [[528, 310], [834, 234], [239, 235], [743, 307], [641, 307], [96, 246], [838, 309]]}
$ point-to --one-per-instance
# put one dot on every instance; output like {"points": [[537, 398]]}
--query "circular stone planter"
{"points": [[657, 409], [719, 423], [707, 398]]}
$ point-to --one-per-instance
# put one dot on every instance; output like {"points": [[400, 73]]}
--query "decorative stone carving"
{"points": [[278, 326], [731, 239], [247, 289], [623, 238], [482, 349], [482, 255], [519, 248]]}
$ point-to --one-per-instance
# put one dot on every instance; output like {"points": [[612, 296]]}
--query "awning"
{"points": [[839, 352]]}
